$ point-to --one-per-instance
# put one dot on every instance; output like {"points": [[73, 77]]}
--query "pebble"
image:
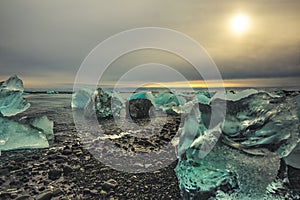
{"points": [[44, 196], [57, 192], [94, 192], [54, 174], [67, 152], [3, 171], [67, 170], [23, 197], [109, 184]]}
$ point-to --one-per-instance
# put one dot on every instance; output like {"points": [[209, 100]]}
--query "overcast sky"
{"points": [[45, 42]]}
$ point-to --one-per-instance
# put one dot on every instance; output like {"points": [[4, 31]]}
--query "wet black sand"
{"points": [[68, 171]]}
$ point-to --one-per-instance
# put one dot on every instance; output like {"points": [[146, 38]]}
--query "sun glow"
{"points": [[240, 23]]}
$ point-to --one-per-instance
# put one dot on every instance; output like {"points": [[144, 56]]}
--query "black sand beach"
{"points": [[68, 171]]}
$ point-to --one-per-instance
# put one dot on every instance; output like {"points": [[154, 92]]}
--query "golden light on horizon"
{"points": [[240, 23]]}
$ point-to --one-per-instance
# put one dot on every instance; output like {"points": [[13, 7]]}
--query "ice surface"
{"points": [[191, 128], [20, 133], [202, 98], [236, 96], [262, 121], [142, 95], [12, 103], [104, 103], [51, 92], [298, 105], [11, 100], [261, 128], [293, 159], [81, 97], [12, 83], [107, 104], [227, 170], [44, 124], [164, 98], [167, 101], [14, 135]]}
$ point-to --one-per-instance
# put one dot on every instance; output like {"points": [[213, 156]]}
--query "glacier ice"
{"points": [[259, 127], [11, 100], [81, 97], [20, 133], [142, 95], [41, 123], [297, 98], [104, 104], [12, 83], [107, 103], [12, 103], [15, 135], [262, 121], [202, 98], [293, 159], [165, 98]]}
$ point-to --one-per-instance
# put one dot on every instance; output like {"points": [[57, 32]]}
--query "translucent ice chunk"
{"points": [[81, 97], [44, 124], [14, 135], [202, 98], [293, 159], [13, 83], [12, 102], [236, 96]]}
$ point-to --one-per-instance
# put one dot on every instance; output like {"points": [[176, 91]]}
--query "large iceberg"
{"points": [[25, 132], [259, 127]]}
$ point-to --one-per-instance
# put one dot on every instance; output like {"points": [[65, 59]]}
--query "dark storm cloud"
{"points": [[51, 38]]}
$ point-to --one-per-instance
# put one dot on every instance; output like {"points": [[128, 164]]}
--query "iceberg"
{"points": [[81, 97], [20, 133], [104, 104], [168, 102], [12, 103], [298, 106], [203, 98], [11, 100], [261, 121], [51, 92], [165, 101], [200, 181], [16, 135], [259, 129], [293, 159], [12, 83], [142, 95], [43, 124]]}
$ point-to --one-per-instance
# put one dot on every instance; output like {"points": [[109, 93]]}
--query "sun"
{"points": [[240, 23]]}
